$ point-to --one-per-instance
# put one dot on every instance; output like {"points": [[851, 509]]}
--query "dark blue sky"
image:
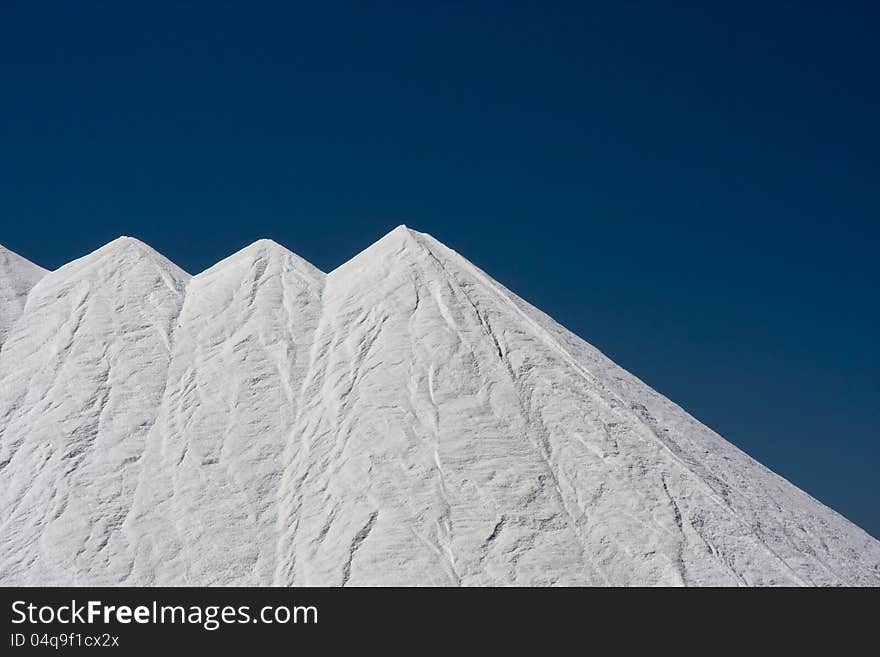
{"points": [[696, 190]]}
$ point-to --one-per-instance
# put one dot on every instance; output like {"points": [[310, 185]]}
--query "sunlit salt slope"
{"points": [[403, 420]]}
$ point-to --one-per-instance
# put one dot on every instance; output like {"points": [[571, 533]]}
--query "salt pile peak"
{"points": [[17, 276]]}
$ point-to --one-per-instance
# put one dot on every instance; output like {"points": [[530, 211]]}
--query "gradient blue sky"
{"points": [[694, 189]]}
